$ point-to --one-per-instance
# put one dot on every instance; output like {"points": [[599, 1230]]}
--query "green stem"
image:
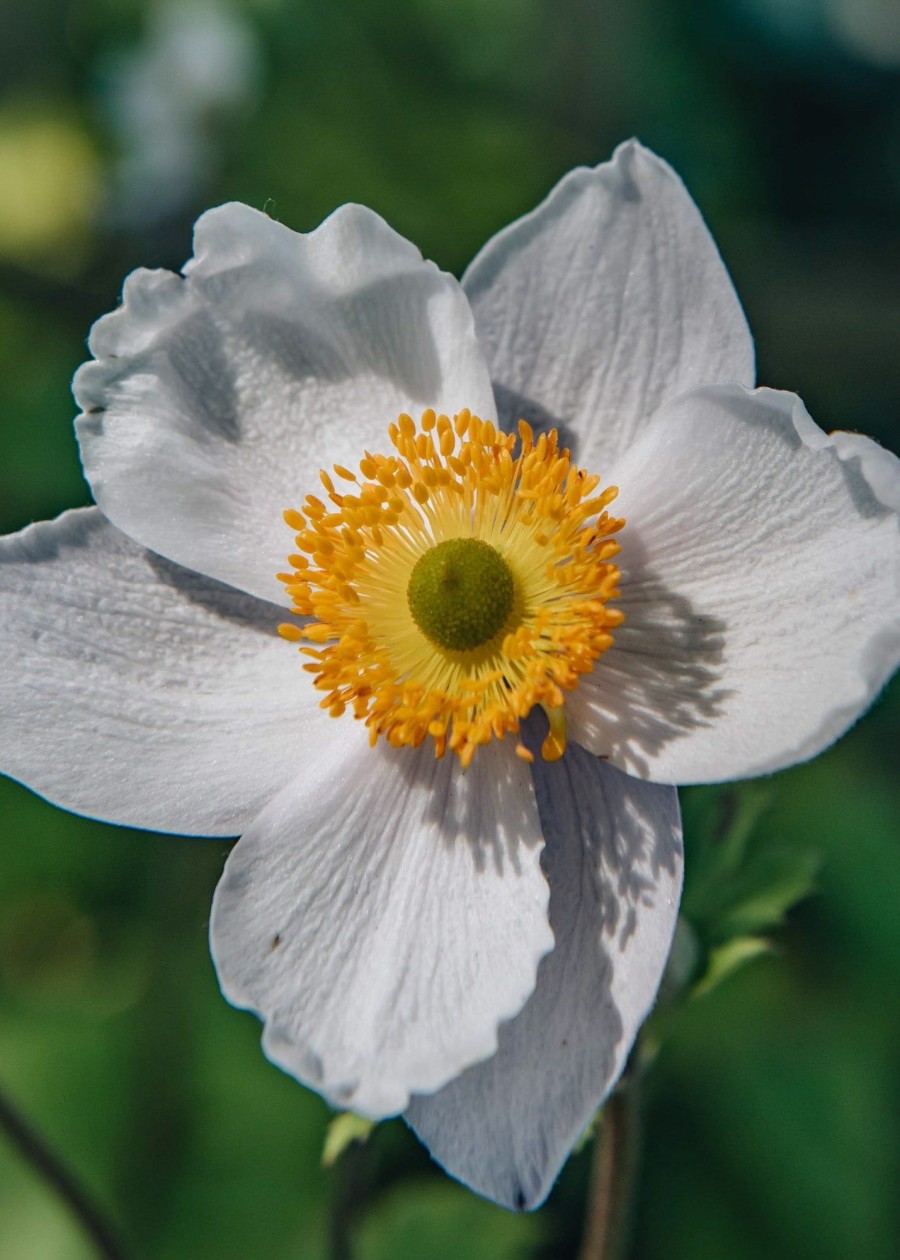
{"points": [[61, 1180], [608, 1217], [349, 1186]]}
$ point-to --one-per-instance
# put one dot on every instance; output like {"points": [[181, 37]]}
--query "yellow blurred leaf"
{"points": [[50, 176], [728, 958], [342, 1132]]}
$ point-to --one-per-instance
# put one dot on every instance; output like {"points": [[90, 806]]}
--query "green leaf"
{"points": [[779, 880], [342, 1132], [742, 875], [726, 959], [719, 825]]}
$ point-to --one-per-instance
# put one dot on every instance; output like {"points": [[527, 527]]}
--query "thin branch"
{"points": [[608, 1217], [61, 1180]]}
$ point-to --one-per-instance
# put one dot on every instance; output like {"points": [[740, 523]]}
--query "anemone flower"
{"points": [[460, 861]]}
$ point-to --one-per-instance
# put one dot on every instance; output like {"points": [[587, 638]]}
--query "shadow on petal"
{"points": [[513, 407], [484, 806], [218, 598], [661, 679], [333, 337], [613, 861]]}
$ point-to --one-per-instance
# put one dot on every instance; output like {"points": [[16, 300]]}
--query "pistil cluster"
{"points": [[350, 580]]}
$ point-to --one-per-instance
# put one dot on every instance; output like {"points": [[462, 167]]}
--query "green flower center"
{"points": [[460, 593]]}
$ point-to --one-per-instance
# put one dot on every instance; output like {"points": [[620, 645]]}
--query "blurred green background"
{"points": [[771, 1111]]}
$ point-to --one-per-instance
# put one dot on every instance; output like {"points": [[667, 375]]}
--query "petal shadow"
{"points": [[661, 679], [613, 862]]}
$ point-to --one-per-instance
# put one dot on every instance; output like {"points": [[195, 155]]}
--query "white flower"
{"points": [[386, 911]]}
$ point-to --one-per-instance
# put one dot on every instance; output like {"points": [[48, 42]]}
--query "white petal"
{"points": [[604, 302], [383, 919], [878, 467], [613, 858], [761, 587], [140, 693], [217, 396]]}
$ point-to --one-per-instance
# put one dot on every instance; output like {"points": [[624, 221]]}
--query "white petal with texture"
{"points": [[613, 859], [140, 693], [217, 395], [384, 918], [880, 468], [603, 303], [761, 588]]}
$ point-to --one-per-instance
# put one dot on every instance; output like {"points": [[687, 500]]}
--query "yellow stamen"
{"points": [[350, 578], [554, 745]]}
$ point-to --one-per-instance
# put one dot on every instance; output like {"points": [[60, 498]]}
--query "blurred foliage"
{"points": [[771, 1107], [49, 175], [432, 1219]]}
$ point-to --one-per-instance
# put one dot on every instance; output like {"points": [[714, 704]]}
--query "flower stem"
{"points": [[608, 1217], [349, 1192], [63, 1182]]}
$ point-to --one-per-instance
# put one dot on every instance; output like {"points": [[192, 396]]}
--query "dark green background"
{"points": [[772, 1108]]}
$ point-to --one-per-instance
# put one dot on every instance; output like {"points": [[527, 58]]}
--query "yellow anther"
{"points": [[288, 630]]}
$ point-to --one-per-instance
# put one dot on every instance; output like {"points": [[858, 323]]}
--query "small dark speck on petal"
{"points": [[276, 941]]}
